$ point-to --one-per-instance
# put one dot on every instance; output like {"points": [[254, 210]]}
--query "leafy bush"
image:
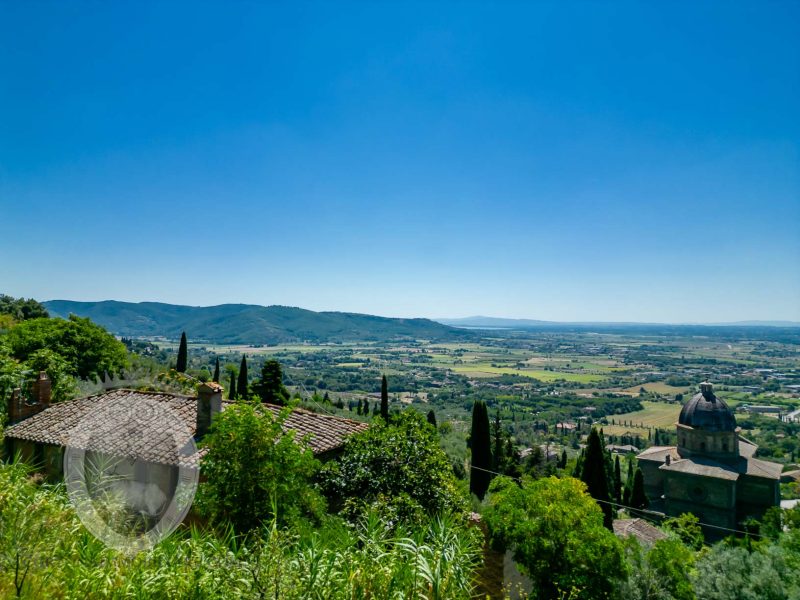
{"points": [[255, 472], [88, 349], [556, 533], [398, 467]]}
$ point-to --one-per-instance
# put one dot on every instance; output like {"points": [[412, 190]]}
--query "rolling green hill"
{"points": [[249, 324]]}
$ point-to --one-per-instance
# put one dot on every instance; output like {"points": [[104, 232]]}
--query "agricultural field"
{"points": [[653, 415], [530, 381]]}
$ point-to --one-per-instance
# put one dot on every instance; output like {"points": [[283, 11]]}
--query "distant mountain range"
{"points": [[479, 322], [248, 323], [254, 324]]}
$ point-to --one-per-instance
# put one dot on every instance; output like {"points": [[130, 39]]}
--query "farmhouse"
{"points": [[711, 472], [152, 447]]}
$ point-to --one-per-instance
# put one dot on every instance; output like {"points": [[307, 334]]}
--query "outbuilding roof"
{"points": [[93, 423], [643, 531]]}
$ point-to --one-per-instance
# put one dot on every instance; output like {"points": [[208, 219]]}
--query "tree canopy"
{"points": [[88, 350], [183, 355], [399, 467], [270, 388], [254, 471], [480, 444], [22, 309], [556, 533]]}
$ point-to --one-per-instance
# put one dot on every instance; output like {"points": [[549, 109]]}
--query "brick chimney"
{"points": [[42, 389], [14, 406], [209, 404]]}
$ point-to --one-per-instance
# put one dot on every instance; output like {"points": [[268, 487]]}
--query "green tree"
{"points": [[497, 434], [242, 384], [89, 350], [21, 309], [595, 477], [432, 418], [62, 383], [398, 468], [638, 496], [556, 533], [617, 480], [686, 528], [215, 378], [626, 494], [480, 445], [183, 355], [563, 463], [255, 471], [232, 389], [384, 399], [270, 388], [732, 573]]}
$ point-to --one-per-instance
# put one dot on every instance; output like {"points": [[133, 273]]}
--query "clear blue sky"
{"points": [[564, 161]]}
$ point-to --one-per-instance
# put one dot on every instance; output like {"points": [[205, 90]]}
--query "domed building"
{"points": [[712, 472]]}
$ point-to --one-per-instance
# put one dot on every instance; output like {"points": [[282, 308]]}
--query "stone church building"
{"points": [[712, 472]]}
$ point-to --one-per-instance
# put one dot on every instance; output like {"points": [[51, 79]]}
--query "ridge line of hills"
{"points": [[249, 323], [256, 324]]}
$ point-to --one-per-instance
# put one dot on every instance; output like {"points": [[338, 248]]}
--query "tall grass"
{"points": [[41, 536]]}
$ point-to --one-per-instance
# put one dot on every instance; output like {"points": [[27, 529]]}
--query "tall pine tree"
{"points": [[384, 399], [497, 434], [595, 477], [271, 388], [626, 495], [617, 480], [183, 355], [638, 497], [216, 371], [242, 384], [432, 418], [480, 444], [232, 390]]}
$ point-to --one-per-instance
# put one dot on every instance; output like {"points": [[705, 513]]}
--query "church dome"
{"points": [[707, 412]]}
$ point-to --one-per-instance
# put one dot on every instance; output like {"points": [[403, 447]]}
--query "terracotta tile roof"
{"points": [[92, 423], [643, 531]]}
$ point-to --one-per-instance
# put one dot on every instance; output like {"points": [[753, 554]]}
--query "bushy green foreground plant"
{"points": [[556, 533], [255, 472], [398, 468], [41, 537]]}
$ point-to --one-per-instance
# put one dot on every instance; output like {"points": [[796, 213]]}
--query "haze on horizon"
{"points": [[553, 161]]}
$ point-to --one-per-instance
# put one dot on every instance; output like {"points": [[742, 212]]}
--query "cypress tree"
{"points": [[626, 495], [241, 385], [216, 371], [595, 477], [232, 390], [563, 464], [480, 444], [384, 399], [358, 410], [270, 388], [497, 434], [617, 481], [183, 355], [578, 470], [432, 418], [638, 497]]}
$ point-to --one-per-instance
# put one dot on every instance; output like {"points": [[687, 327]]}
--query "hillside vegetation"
{"points": [[247, 323]]}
